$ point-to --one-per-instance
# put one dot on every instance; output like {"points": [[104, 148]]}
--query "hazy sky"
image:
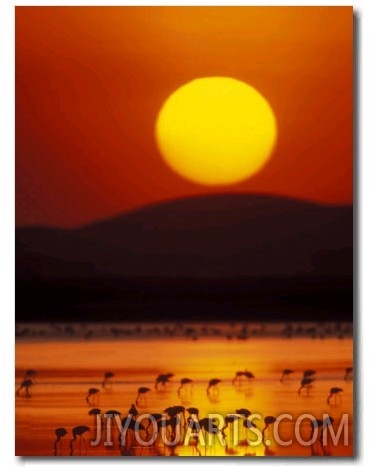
{"points": [[91, 80]]}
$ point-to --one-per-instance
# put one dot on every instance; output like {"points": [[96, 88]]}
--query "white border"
{"points": [[365, 191]]}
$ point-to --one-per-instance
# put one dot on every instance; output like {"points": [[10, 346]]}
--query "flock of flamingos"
{"points": [[178, 417]]}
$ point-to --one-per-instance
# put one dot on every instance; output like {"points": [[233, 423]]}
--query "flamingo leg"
{"points": [[85, 445]]}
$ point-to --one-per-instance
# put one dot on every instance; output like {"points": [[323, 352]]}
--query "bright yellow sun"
{"points": [[216, 131]]}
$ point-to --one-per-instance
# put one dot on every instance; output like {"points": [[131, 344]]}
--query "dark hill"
{"points": [[213, 236], [285, 255]]}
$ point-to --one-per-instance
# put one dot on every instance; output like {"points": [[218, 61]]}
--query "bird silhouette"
{"points": [[309, 374], [239, 375], [315, 447], [209, 426], [334, 392], [30, 374], [306, 383], [152, 417], [110, 414], [26, 385], [96, 414], [247, 423], [243, 412], [60, 432], [286, 374], [175, 410], [133, 411], [269, 420], [327, 421], [229, 422], [92, 397], [128, 423], [348, 373], [78, 432], [141, 398], [183, 384], [163, 379], [108, 375], [213, 387], [193, 411]]}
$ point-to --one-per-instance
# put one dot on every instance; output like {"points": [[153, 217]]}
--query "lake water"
{"points": [[67, 367]]}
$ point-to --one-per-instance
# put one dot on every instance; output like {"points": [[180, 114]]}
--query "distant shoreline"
{"points": [[235, 330]]}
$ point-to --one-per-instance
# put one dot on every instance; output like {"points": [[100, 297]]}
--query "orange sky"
{"points": [[91, 80]]}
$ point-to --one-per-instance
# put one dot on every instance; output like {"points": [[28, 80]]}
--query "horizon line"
{"points": [[183, 198]]}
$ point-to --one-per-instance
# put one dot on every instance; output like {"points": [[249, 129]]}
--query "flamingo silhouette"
{"points": [[348, 373], [60, 432], [209, 426], [108, 375], [325, 447], [309, 374], [213, 387], [94, 413], [247, 423], [153, 416], [184, 382], [130, 424], [193, 411], [334, 392], [315, 447], [175, 410], [141, 398], [93, 393], [239, 377], [286, 374], [133, 411], [30, 374], [229, 421], [306, 383], [163, 379], [78, 432], [26, 385], [269, 420]]}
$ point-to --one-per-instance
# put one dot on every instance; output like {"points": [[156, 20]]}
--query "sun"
{"points": [[216, 131]]}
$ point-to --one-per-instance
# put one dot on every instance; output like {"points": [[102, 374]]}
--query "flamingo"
{"points": [[30, 374], [209, 426], [79, 431], [193, 411], [175, 410], [229, 420], [348, 373], [108, 375], [128, 423], [306, 383], [184, 382], [153, 416], [141, 398], [93, 393], [213, 385], [286, 374], [240, 374], [247, 424], [269, 420], [26, 385], [133, 411], [335, 391], [314, 447], [163, 379], [325, 448], [309, 374], [94, 413], [60, 432]]}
